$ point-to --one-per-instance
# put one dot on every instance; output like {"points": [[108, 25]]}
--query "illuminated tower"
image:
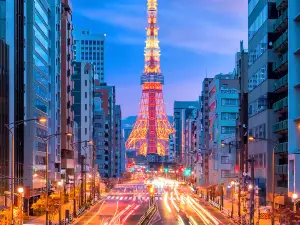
{"points": [[150, 134]]}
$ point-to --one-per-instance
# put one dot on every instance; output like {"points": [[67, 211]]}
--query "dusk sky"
{"points": [[195, 36]]}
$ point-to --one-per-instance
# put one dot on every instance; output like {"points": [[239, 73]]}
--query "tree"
{"points": [[54, 200], [4, 216]]}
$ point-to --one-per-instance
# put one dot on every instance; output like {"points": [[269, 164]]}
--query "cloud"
{"points": [[196, 26]]}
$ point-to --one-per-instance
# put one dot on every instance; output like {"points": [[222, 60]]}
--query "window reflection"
{"points": [[259, 21], [41, 51], [40, 37], [258, 105], [260, 48], [41, 11], [259, 77], [41, 25], [41, 65]]}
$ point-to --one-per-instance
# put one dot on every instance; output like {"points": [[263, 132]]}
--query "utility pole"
{"points": [[252, 191]]}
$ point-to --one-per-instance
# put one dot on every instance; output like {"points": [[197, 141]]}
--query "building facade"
{"points": [[90, 47], [267, 116], [83, 108], [4, 118], [119, 141], [293, 12], [179, 125], [223, 105], [66, 87]]}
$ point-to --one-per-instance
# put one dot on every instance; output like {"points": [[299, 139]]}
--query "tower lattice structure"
{"points": [[150, 134]]}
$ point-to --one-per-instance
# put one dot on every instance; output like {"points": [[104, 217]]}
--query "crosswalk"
{"points": [[134, 198]]}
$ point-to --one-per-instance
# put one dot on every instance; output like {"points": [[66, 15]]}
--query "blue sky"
{"points": [[195, 36]]}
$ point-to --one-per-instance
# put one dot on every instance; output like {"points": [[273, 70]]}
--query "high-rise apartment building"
{"points": [[180, 117], [66, 98], [293, 13], [118, 141], [267, 113], [83, 108], [4, 118], [223, 105], [90, 47], [204, 132]]}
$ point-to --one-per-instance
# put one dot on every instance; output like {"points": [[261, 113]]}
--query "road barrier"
{"points": [[146, 218]]}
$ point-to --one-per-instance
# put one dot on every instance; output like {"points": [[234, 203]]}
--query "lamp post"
{"points": [[11, 127], [21, 194], [295, 200], [46, 140], [275, 144]]}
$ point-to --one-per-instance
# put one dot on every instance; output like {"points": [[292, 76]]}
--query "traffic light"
{"points": [[132, 169], [147, 170], [180, 169], [166, 169], [187, 172]]}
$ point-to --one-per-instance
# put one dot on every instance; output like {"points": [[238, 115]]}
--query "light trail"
{"points": [[115, 212], [200, 214], [176, 193], [182, 200], [166, 202], [173, 203], [129, 214], [95, 214], [192, 221], [180, 220], [216, 221]]}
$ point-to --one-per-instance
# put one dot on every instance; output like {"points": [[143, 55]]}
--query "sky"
{"points": [[197, 38]]}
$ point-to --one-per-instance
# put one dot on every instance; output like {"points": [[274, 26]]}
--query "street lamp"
{"points": [[11, 127], [21, 194], [46, 140], [275, 144], [296, 200]]}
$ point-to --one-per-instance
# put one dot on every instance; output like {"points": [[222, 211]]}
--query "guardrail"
{"points": [[146, 218]]}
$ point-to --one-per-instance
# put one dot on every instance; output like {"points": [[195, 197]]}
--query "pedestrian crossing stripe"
{"points": [[133, 198], [121, 198]]}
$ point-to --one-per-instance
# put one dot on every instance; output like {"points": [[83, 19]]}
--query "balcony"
{"points": [[281, 84], [281, 22], [280, 127], [281, 43], [281, 147], [281, 169], [281, 64], [280, 105], [281, 4]]}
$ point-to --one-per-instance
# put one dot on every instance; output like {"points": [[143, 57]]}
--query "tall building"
{"points": [[4, 118], [12, 33], [204, 135], [241, 68], [180, 116], [90, 47], [267, 110], [119, 140], [38, 94], [83, 108], [150, 134], [293, 13], [107, 152], [223, 105], [66, 87]]}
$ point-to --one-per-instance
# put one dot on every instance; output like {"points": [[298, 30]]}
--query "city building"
{"points": [[66, 98], [83, 108], [90, 47], [293, 32], [107, 154], [267, 92], [171, 152], [118, 141], [12, 18], [40, 94], [241, 69], [179, 126], [4, 118], [223, 103], [204, 132]]}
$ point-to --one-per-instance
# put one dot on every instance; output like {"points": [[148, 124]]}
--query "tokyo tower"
{"points": [[150, 134]]}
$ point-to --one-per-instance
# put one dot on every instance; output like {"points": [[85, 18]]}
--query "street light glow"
{"points": [[60, 183], [42, 120], [20, 190], [295, 196], [251, 138], [69, 134]]}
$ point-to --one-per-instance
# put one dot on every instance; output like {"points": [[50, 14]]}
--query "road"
{"points": [[125, 204]]}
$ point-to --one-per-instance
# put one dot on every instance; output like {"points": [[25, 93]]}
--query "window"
{"points": [[85, 94], [85, 106], [260, 48], [260, 20], [40, 160], [229, 116], [229, 102], [227, 130], [258, 105], [225, 160], [259, 77], [98, 125], [85, 118], [85, 131], [225, 173]]}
